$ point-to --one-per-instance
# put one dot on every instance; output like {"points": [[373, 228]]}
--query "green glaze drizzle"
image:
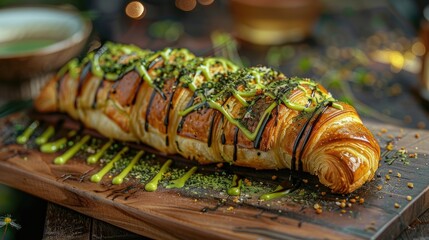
{"points": [[51, 147], [277, 193], [245, 86], [153, 184], [180, 182], [120, 178], [98, 176], [212, 80], [44, 137], [250, 135], [60, 160], [23, 138], [71, 67], [95, 157], [235, 188]]}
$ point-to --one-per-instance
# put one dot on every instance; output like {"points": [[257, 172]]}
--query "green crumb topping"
{"points": [[216, 181], [145, 169], [216, 82]]}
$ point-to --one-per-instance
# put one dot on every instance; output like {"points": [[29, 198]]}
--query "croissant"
{"points": [[210, 110]]}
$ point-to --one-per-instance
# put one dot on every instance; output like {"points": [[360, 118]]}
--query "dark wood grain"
{"points": [[176, 214], [62, 224], [418, 229], [103, 230]]}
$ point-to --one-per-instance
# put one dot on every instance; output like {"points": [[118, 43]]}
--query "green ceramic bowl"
{"points": [[37, 40]]}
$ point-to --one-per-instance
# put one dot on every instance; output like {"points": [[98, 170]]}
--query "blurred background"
{"points": [[368, 53]]}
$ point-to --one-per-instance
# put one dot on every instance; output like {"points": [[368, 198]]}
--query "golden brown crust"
{"points": [[47, 100], [340, 150]]}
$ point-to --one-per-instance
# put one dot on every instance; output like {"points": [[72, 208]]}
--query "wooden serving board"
{"points": [[202, 213]]}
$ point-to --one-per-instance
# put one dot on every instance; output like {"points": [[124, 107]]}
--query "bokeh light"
{"points": [[205, 2], [135, 10], [397, 60], [418, 49], [186, 5]]}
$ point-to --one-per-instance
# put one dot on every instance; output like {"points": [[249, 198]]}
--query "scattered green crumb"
{"points": [[255, 188], [215, 181], [145, 169], [400, 155]]}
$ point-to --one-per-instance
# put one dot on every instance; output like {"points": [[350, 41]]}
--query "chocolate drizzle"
{"points": [[155, 61], [209, 141], [150, 66], [94, 102], [223, 139], [277, 115], [58, 88], [82, 77], [234, 156], [209, 138], [257, 142], [182, 121], [146, 123], [303, 134], [169, 107]]}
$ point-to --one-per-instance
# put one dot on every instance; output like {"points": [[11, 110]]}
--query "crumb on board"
{"points": [[421, 125], [247, 182], [410, 185], [389, 146], [341, 204], [397, 205], [409, 198], [403, 150], [408, 119]]}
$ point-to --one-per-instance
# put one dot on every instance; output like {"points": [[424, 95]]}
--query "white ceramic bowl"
{"points": [[36, 40]]}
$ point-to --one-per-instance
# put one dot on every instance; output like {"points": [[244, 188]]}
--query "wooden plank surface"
{"points": [[62, 223], [418, 229], [177, 214]]}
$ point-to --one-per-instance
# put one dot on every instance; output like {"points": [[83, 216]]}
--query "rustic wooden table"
{"points": [[82, 227]]}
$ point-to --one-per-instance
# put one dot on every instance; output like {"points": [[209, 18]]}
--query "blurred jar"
{"points": [[424, 35], [269, 22]]}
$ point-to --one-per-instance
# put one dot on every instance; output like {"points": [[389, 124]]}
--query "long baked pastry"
{"points": [[209, 110]]}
